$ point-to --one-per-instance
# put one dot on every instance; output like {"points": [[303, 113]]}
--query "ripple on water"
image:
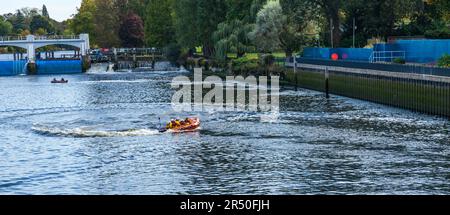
{"points": [[99, 135]]}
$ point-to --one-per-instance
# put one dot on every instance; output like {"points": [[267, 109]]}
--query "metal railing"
{"points": [[44, 37], [12, 38], [57, 37], [386, 56]]}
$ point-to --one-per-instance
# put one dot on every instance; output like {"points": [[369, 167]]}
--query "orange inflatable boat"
{"points": [[188, 125]]}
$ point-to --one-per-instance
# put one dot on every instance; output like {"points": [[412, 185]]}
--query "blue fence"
{"points": [[424, 51], [414, 51], [349, 54], [9, 68]]}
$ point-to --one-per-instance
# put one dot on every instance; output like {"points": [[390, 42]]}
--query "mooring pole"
{"points": [[295, 73], [327, 83]]}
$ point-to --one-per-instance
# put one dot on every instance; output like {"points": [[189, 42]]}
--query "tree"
{"points": [[330, 10], [159, 29], [196, 21], [282, 25], [232, 37], [45, 12], [40, 31], [19, 22], [298, 15], [185, 19], [106, 23], [5, 27], [269, 26], [40, 22], [132, 31], [138, 7], [383, 18], [83, 21], [209, 14]]}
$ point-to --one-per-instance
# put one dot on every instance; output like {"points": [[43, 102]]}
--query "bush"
{"points": [[267, 60], [444, 61], [244, 66], [439, 30], [204, 63], [399, 61], [190, 63]]}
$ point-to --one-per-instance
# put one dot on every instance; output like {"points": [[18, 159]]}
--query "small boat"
{"points": [[193, 125], [59, 81]]}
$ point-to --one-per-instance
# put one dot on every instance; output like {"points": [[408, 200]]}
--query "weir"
{"points": [[135, 58], [32, 63]]}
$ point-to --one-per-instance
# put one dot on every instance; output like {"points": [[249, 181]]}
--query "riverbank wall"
{"points": [[425, 90]]}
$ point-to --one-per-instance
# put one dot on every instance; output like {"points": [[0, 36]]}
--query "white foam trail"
{"points": [[117, 81], [84, 132]]}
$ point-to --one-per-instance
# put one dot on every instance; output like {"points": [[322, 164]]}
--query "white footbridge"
{"points": [[31, 43]]}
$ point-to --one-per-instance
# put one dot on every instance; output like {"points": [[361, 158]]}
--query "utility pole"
{"points": [[331, 31], [354, 31]]}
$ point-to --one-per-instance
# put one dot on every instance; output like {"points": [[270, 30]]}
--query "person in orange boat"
{"points": [[174, 124]]}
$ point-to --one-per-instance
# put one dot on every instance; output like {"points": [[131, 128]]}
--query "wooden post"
{"points": [[295, 73], [327, 84]]}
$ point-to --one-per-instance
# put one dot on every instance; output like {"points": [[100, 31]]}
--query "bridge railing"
{"points": [[12, 38], [46, 37], [57, 37]]}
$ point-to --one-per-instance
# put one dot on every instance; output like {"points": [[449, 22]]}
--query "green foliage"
{"points": [[444, 61], [244, 66], [45, 12], [439, 30], [106, 23], [5, 27], [42, 24], [399, 61], [197, 20], [159, 29], [269, 26], [83, 21], [267, 60], [232, 37], [18, 22]]}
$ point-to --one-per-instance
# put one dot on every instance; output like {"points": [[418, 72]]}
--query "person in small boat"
{"points": [[178, 123], [54, 80], [62, 80]]}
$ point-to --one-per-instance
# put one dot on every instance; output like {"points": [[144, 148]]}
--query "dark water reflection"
{"points": [[97, 135]]}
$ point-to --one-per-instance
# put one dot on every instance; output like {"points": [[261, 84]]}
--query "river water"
{"points": [[98, 135]]}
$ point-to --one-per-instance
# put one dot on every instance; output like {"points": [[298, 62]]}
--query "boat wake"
{"points": [[84, 132]]}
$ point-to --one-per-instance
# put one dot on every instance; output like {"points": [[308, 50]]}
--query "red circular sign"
{"points": [[335, 56]]}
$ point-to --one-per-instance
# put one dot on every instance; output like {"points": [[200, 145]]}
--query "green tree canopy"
{"points": [[40, 22], [159, 29], [5, 27]]}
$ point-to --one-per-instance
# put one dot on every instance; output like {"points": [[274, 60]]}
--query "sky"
{"points": [[59, 10]]}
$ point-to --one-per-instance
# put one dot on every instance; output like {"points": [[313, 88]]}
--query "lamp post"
{"points": [[354, 31]]}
